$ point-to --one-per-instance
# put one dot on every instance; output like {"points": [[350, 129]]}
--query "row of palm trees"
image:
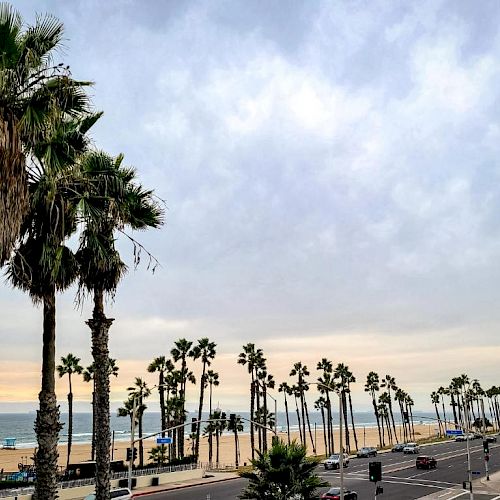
{"points": [[467, 401], [55, 186]]}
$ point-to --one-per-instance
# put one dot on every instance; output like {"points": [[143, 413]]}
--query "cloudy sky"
{"points": [[331, 171]]}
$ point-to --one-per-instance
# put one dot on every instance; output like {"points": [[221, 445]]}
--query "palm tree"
{"points": [[410, 404], [442, 392], [435, 401], [383, 414], [372, 386], [389, 383], [180, 352], [282, 473], [351, 379], [205, 350], [301, 372], [69, 365], [342, 373], [42, 265], [286, 389], [320, 405], [114, 202], [158, 455], [161, 365], [383, 400], [235, 425], [34, 93], [265, 381], [217, 425], [140, 391], [400, 397], [296, 395], [213, 381], [253, 358], [324, 383], [453, 391], [88, 376]]}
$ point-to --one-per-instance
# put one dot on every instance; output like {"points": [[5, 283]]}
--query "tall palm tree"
{"points": [[300, 371], [69, 365], [34, 93], [235, 425], [252, 358], [454, 391], [320, 405], [286, 390], [114, 203], [400, 397], [161, 365], [324, 383], [42, 265], [389, 383], [342, 373], [204, 350], [383, 400], [442, 392], [351, 379], [372, 386], [180, 352], [140, 391], [435, 399], [88, 376], [213, 381], [296, 395], [410, 404], [264, 381]]}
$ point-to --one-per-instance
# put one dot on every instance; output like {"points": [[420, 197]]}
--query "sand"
{"points": [[368, 436]]}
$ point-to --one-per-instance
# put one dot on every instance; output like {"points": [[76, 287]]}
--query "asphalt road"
{"points": [[401, 479]]}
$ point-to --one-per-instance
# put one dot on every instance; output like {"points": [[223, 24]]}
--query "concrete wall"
{"points": [[142, 482]]}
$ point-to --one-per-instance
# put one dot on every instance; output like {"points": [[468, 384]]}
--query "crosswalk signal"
{"points": [[486, 447], [375, 471]]}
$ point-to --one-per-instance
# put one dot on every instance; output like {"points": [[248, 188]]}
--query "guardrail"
{"points": [[116, 475]]}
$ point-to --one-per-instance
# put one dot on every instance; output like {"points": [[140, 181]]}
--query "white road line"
{"points": [[446, 493], [496, 498], [457, 496]]}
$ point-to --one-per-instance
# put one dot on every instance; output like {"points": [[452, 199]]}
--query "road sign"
{"points": [[163, 440], [475, 473], [454, 432]]}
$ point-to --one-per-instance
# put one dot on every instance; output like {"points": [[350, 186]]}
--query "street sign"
{"points": [[454, 432], [163, 440], [475, 473]]}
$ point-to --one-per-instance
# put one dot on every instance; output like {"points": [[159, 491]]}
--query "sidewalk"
{"points": [[212, 477], [493, 485]]}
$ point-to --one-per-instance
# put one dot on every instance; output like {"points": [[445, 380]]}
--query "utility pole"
{"points": [[469, 471], [341, 455], [132, 436], [486, 457]]}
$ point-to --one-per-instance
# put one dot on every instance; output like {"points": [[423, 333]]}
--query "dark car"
{"points": [[334, 494], [398, 447], [491, 439], [367, 451], [426, 462]]}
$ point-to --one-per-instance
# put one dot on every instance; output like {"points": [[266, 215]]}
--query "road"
{"points": [[401, 479]]}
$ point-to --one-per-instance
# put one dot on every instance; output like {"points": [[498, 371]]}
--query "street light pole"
{"points": [[469, 470], [341, 455], [484, 437], [132, 436]]}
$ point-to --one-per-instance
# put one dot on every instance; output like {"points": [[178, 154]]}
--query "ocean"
{"points": [[20, 425]]}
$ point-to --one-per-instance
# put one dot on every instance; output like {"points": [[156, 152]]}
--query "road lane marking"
{"points": [[457, 496]]}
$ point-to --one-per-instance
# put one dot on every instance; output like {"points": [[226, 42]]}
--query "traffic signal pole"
{"points": [[467, 440], [486, 456]]}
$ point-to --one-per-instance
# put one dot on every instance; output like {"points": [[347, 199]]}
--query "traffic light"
{"points": [[129, 454], [379, 490], [486, 447], [375, 471], [232, 420], [193, 425]]}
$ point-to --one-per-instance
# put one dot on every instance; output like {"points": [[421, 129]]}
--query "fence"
{"points": [[116, 475]]}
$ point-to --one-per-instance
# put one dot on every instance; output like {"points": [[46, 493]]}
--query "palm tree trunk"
{"points": [[302, 409], [375, 410], [92, 452], [392, 418], [344, 408], [99, 326], [70, 420], [324, 428], [298, 419], [264, 430], [287, 420], [47, 425], [210, 441], [257, 404], [444, 415], [14, 186], [200, 409], [252, 410], [453, 406], [352, 422], [411, 421], [161, 390], [331, 446], [439, 420], [236, 444], [141, 442], [309, 427], [217, 446]]}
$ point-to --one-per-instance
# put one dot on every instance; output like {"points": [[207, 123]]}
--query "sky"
{"points": [[331, 176]]}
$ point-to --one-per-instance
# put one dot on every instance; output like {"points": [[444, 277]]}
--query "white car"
{"points": [[119, 494], [333, 462], [412, 448]]}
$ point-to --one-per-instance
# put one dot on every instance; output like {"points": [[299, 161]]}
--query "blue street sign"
{"points": [[163, 440], [452, 432]]}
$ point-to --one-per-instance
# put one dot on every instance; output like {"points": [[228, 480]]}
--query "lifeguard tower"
{"points": [[9, 444]]}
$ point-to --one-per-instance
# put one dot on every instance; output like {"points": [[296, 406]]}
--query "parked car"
{"points": [[491, 439], [426, 462], [464, 437], [398, 447], [333, 462], [411, 448], [118, 494], [367, 451], [334, 494]]}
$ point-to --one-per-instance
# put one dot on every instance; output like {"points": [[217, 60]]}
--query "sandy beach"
{"points": [[367, 436]]}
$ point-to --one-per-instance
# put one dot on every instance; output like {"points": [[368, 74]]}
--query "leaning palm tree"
{"points": [[114, 202], [213, 381], [69, 365], [88, 376], [42, 265], [204, 350], [140, 391], [34, 93]]}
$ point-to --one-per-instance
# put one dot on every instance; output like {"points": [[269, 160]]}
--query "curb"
{"points": [[182, 486]]}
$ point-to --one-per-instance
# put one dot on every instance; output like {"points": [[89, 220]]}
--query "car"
{"points": [[464, 437], [491, 439], [333, 462], [334, 494], [476, 435], [411, 448], [118, 494], [367, 451], [398, 447], [426, 462]]}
